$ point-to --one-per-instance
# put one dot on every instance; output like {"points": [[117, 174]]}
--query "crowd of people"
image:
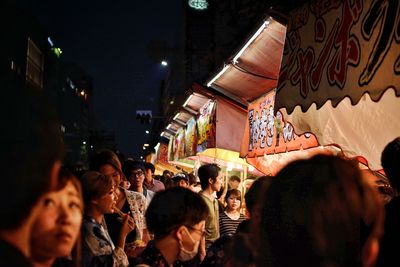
{"points": [[315, 212]]}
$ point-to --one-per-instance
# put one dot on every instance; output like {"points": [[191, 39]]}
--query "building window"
{"points": [[34, 65]]}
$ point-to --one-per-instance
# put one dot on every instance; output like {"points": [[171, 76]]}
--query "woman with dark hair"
{"points": [[176, 217], [320, 212], [230, 217], [55, 233], [98, 247]]}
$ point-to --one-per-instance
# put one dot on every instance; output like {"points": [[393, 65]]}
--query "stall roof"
{"points": [[254, 70]]}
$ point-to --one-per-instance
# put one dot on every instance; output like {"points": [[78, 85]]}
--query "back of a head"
{"points": [[315, 211], [172, 208], [31, 143], [150, 166], [390, 162], [256, 190]]}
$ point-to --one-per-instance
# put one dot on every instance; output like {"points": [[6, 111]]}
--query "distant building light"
{"points": [[91, 146], [141, 157], [171, 102], [84, 143], [50, 41], [57, 51], [63, 128], [147, 132], [82, 93], [198, 4], [164, 63], [144, 148], [146, 145]]}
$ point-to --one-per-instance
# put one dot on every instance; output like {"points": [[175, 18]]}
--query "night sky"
{"points": [[108, 40]]}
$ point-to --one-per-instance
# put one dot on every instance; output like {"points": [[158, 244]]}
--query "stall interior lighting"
{"points": [[251, 168], [188, 100], [217, 76], [255, 35]]}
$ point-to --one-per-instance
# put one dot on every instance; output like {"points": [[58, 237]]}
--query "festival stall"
{"points": [[208, 129], [250, 77], [338, 88]]}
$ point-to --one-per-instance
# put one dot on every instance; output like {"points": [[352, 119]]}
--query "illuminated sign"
{"points": [[198, 4]]}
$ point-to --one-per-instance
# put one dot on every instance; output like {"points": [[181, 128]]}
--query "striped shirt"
{"points": [[228, 226]]}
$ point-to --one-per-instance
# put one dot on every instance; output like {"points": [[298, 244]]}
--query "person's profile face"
{"points": [[109, 171], [57, 226], [217, 184], [105, 204]]}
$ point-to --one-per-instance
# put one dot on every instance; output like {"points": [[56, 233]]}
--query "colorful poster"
{"points": [[163, 153], [179, 145], [206, 126], [171, 148], [190, 138], [268, 133]]}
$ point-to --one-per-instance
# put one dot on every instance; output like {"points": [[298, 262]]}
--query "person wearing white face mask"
{"points": [[176, 217]]}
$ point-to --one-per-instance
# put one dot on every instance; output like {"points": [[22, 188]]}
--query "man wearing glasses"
{"points": [[135, 172]]}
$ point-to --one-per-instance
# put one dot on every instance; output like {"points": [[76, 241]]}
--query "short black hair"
{"points": [[130, 165], [149, 166], [234, 178], [172, 208], [208, 171], [31, 143], [390, 162], [256, 190]]}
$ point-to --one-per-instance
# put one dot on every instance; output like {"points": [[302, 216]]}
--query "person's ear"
{"points": [[210, 180], [180, 232], [370, 252], [54, 172]]}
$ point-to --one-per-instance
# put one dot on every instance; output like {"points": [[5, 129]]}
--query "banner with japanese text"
{"points": [[268, 133], [340, 75], [337, 49]]}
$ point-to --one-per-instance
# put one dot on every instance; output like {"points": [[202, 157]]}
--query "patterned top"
{"points": [[152, 257], [98, 248], [138, 206], [228, 226]]}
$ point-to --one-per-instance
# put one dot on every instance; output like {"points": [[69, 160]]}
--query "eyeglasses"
{"points": [[138, 173], [202, 233]]}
